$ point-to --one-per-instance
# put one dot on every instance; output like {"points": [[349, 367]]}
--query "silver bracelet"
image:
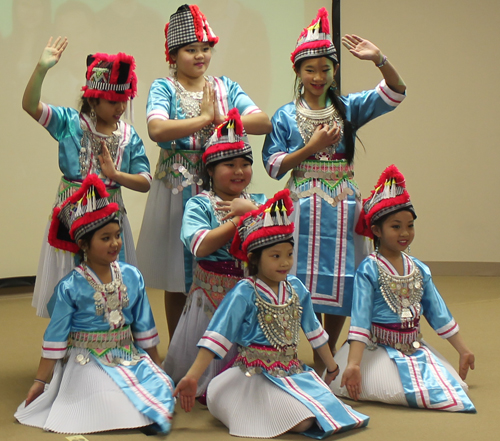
{"points": [[384, 60], [233, 222], [40, 381]]}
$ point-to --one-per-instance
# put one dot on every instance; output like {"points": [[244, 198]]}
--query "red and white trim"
{"points": [[359, 334], [197, 240], [146, 339], [274, 163], [46, 115], [317, 338], [390, 97], [147, 176], [157, 114], [54, 349], [216, 343], [448, 330]]}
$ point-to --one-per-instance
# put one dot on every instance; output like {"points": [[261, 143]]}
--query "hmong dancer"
{"points": [[314, 137], [100, 344], [182, 111], [387, 360], [208, 226], [268, 391], [92, 140]]}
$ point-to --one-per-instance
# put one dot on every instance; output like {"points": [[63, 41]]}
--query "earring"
{"points": [[408, 250], [173, 70], [298, 88], [333, 86], [93, 116], [85, 256]]}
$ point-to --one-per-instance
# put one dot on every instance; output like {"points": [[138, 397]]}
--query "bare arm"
{"points": [[467, 359], [45, 369], [49, 58], [257, 124], [366, 50], [186, 389], [217, 238], [332, 368], [351, 378]]}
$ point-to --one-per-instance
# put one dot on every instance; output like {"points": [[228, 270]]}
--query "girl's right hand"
{"points": [[207, 103], [186, 392], [52, 52], [236, 207], [351, 379], [35, 391], [323, 137]]}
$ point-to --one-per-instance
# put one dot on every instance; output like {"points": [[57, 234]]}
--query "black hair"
{"points": [[87, 237], [85, 106], [333, 94], [253, 261], [380, 221]]}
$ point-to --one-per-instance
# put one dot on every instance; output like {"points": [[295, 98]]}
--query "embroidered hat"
{"points": [[111, 77], [389, 195], [86, 210], [315, 40], [187, 25], [229, 140], [267, 225]]}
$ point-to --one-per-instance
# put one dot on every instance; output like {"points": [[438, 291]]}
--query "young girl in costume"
{"points": [[182, 111], [100, 344], [314, 137], [387, 360], [268, 391], [208, 226], [92, 140]]}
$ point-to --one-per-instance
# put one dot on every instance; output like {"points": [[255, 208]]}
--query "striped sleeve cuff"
{"points": [[46, 115], [146, 339], [54, 349], [317, 337], [197, 240], [359, 334], [449, 330], [216, 343], [251, 109], [157, 114], [388, 95], [274, 163], [147, 176]]}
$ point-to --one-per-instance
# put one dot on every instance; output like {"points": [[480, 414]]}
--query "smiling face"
{"points": [[104, 246], [231, 177], [395, 234], [192, 60], [108, 113], [275, 263], [317, 75]]}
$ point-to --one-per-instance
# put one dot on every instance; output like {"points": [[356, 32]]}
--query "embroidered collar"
{"points": [[267, 293]]}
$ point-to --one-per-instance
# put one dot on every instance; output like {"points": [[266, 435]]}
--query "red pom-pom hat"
{"points": [[389, 195]]}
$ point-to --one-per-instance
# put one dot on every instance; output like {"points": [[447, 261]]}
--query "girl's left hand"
{"points": [[219, 118], [236, 207], [35, 391], [186, 391], [361, 48], [465, 363], [330, 377], [107, 166]]}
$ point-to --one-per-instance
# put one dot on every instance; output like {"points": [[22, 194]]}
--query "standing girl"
{"points": [[100, 344], [314, 137], [182, 111], [208, 226], [92, 140], [387, 360], [268, 391]]}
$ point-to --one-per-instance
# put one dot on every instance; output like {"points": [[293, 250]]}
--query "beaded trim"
{"points": [[109, 298], [402, 293], [256, 359], [308, 120], [280, 323], [405, 341], [179, 169]]}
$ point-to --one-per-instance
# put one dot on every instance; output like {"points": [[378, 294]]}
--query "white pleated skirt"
{"points": [[253, 407], [54, 264], [380, 376], [81, 399], [183, 348], [160, 252]]}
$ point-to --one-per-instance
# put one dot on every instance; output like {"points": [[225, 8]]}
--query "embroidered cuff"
{"points": [[251, 109], [359, 334], [147, 176], [449, 330], [317, 338], [44, 119], [157, 114], [197, 240], [388, 95], [216, 343], [54, 349], [147, 339], [274, 163]]}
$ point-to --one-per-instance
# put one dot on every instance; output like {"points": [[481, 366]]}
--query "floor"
{"points": [[474, 302]]}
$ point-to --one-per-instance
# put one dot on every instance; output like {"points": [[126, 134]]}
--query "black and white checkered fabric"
{"points": [[388, 210], [84, 229], [246, 151], [268, 241], [328, 52], [181, 29]]}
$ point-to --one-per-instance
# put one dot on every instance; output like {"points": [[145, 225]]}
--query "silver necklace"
{"points": [[402, 293], [91, 147], [307, 121]]}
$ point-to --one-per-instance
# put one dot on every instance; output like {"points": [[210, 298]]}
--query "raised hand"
{"points": [[361, 48], [52, 52], [107, 166], [207, 102]]}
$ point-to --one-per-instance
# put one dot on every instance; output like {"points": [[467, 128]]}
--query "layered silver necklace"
{"points": [[308, 119]]}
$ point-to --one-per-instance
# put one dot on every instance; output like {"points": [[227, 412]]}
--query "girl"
{"points": [[314, 137], [101, 341], [182, 111], [208, 225], [268, 391], [387, 360], [92, 140]]}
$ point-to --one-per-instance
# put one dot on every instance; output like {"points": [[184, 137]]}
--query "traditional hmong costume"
{"points": [[177, 177], [327, 198], [110, 77], [103, 378], [268, 390], [215, 274], [398, 367]]}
